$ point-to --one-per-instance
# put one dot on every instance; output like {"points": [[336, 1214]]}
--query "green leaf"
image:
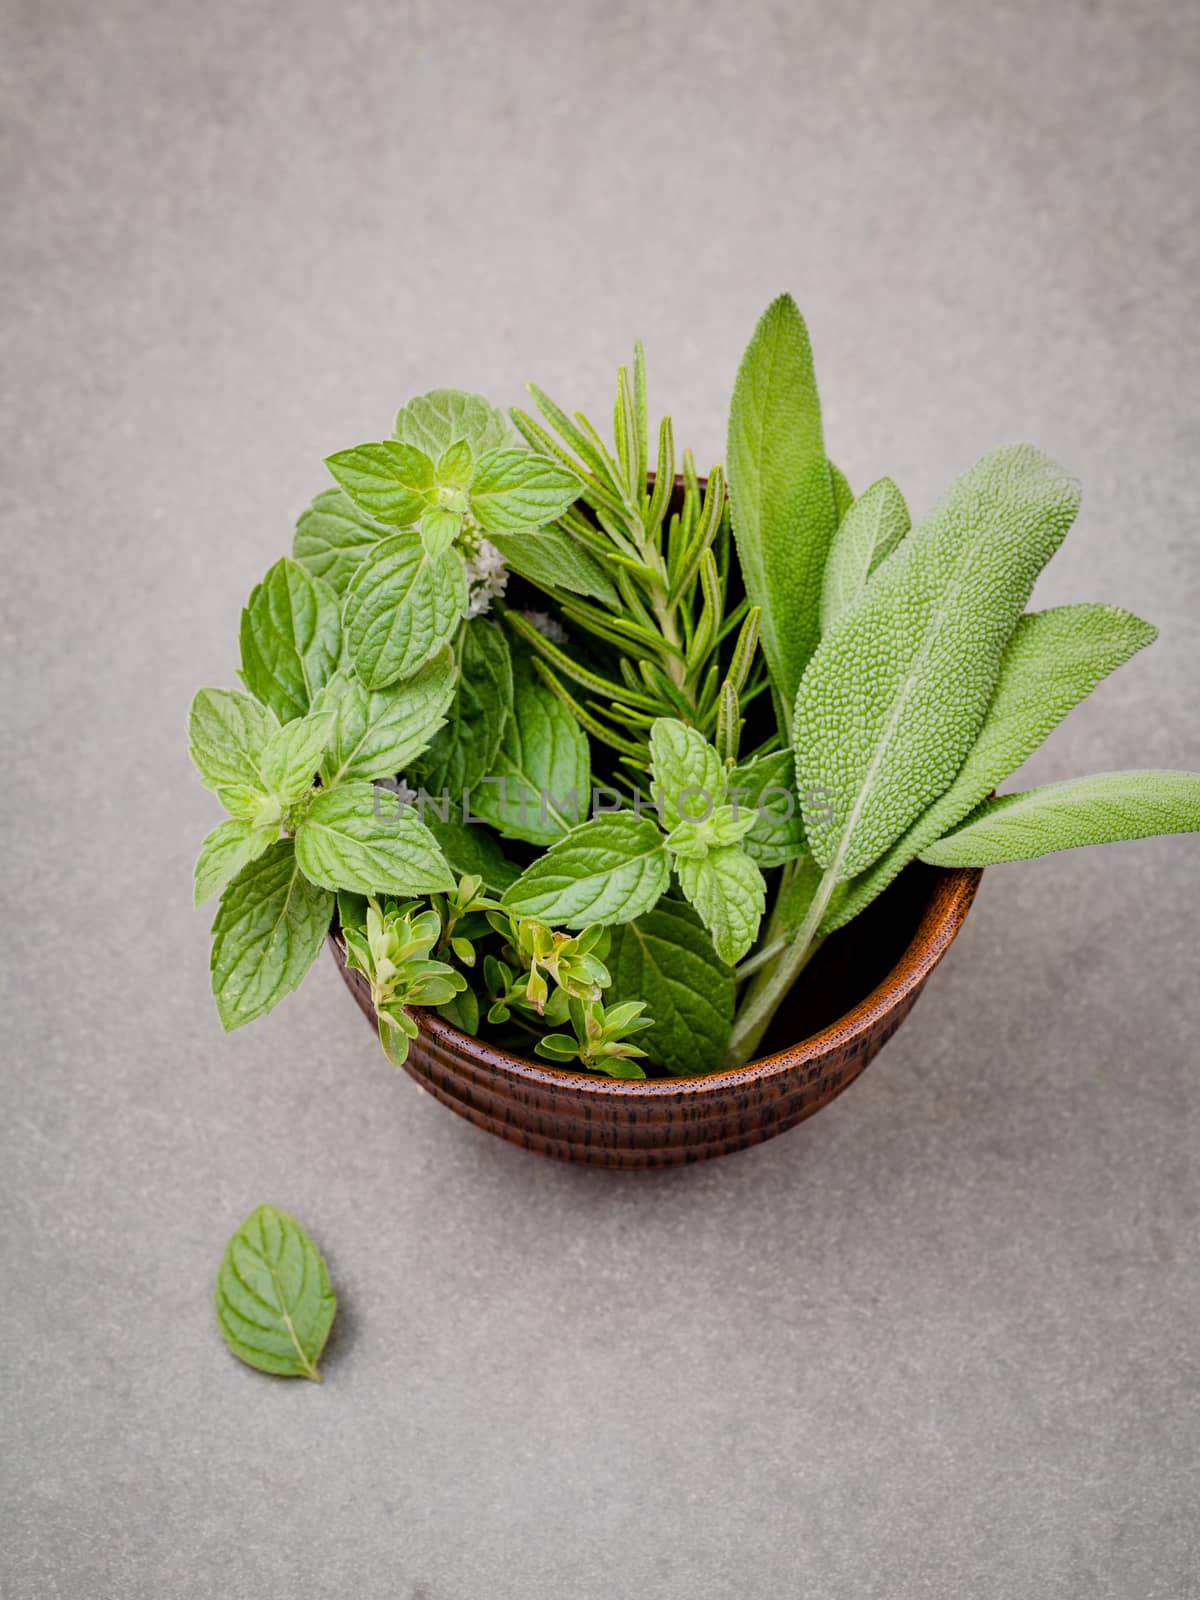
{"points": [[401, 608], [554, 560], [333, 536], [291, 639], [273, 1300], [294, 753], [1103, 809], [781, 493], [464, 750], [843, 494], [432, 422], [898, 689], [226, 850], [227, 734], [728, 891], [689, 776], [667, 959], [543, 766], [471, 849], [866, 535], [514, 491], [379, 732], [1053, 660], [456, 465], [391, 482], [769, 785], [609, 870], [439, 529], [268, 930], [358, 837]]}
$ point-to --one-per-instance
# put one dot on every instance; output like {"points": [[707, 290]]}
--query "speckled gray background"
{"points": [[942, 1340]]}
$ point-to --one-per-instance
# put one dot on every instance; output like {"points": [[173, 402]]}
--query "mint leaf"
{"points": [[377, 733], [401, 608], [466, 747], [1103, 809], [689, 776], [667, 959], [226, 850], [294, 753], [781, 494], [867, 534], [433, 421], [471, 850], [439, 528], [291, 639], [357, 837], [333, 536], [456, 465], [273, 1299], [268, 930], [553, 560], [227, 734], [894, 696], [391, 482], [728, 891], [514, 491], [542, 769], [1053, 660], [767, 786], [609, 870]]}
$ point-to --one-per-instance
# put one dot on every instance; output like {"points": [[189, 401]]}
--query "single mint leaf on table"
{"points": [[268, 931], [358, 837], [667, 959], [781, 494], [552, 559], [227, 734], [1052, 661], [1103, 809], [867, 534], [609, 870], [391, 482], [228, 848], [273, 1300], [767, 786], [333, 536], [470, 849], [689, 776], [514, 491], [401, 607], [434, 421], [728, 892], [464, 750], [896, 693], [291, 639], [543, 768], [377, 733]]}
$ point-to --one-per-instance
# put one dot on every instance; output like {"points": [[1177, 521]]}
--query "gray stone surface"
{"points": [[940, 1341]]}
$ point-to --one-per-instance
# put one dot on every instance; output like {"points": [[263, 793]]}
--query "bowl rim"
{"points": [[950, 897]]}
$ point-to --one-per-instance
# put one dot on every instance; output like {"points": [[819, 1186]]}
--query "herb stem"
{"points": [[769, 989]]}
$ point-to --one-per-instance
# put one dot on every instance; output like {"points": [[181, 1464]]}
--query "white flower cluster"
{"points": [[549, 627], [487, 578]]}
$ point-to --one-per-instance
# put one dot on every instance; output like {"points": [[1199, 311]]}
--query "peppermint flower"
{"points": [[487, 578]]}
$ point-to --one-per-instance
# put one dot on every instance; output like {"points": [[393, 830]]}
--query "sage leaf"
{"points": [[867, 534], [291, 639], [514, 491], [781, 494], [729, 893], [401, 607], [269, 927], [1102, 809], [896, 692], [471, 849], [667, 959], [767, 786], [226, 850], [333, 536], [553, 560], [273, 1300], [227, 734], [434, 421], [609, 870], [465, 748], [843, 494], [294, 752], [358, 837], [377, 733], [689, 776], [1053, 660], [390, 481], [540, 780]]}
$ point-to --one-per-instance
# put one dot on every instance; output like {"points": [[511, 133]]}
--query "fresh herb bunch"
{"points": [[582, 751]]}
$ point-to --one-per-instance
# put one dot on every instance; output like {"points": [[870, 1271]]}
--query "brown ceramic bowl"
{"points": [[855, 993]]}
